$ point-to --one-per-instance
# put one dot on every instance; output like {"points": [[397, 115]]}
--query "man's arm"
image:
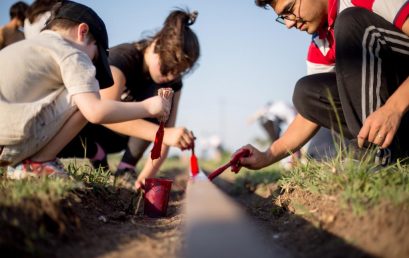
{"points": [[299, 132]]}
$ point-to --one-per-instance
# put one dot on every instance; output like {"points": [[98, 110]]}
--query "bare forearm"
{"points": [[298, 133], [138, 128], [152, 167], [108, 111]]}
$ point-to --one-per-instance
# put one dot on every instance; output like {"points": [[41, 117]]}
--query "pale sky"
{"points": [[247, 59]]}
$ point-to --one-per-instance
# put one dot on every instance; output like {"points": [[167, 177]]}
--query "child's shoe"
{"points": [[28, 168]]}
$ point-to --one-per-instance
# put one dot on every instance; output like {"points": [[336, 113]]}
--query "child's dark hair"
{"points": [[264, 3], [176, 44], [18, 10], [39, 7], [63, 24]]}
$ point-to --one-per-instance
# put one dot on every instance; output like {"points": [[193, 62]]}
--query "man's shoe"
{"points": [[372, 153], [28, 168]]}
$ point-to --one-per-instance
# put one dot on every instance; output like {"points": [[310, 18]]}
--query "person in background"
{"points": [[139, 69], [37, 15], [275, 117], [358, 83], [11, 33], [49, 90]]}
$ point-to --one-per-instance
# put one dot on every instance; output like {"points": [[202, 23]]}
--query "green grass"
{"points": [[358, 184], [81, 173], [14, 191]]}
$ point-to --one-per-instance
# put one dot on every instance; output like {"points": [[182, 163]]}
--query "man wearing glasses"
{"points": [[358, 76]]}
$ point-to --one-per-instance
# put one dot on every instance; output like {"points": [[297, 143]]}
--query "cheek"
{"points": [[155, 70]]}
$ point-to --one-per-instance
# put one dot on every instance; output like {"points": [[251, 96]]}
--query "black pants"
{"points": [[371, 63], [84, 145]]}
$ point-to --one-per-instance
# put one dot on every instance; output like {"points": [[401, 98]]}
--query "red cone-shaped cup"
{"points": [[156, 197]]}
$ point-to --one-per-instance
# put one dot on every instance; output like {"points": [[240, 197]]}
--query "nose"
{"points": [[289, 24]]}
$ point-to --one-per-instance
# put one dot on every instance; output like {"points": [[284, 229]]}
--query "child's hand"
{"points": [[158, 107], [166, 93]]}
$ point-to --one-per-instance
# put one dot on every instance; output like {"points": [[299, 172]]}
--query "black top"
{"points": [[127, 58]]}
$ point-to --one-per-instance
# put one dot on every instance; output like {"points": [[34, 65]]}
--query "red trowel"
{"points": [[234, 163]]}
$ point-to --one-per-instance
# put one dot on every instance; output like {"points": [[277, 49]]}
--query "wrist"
{"points": [[398, 106], [269, 157]]}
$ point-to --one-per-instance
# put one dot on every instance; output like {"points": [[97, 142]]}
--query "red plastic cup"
{"points": [[156, 197]]}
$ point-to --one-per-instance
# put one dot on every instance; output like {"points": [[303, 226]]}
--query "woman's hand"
{"points": [[179, 137], [139, 184]]}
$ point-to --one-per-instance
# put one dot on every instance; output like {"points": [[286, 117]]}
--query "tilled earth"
{"points": [[95, 222], [309, 225], [109, 222]]}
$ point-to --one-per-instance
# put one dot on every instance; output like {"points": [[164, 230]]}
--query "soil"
{"points": [[108, 222], [95, 222], [309, 225]]}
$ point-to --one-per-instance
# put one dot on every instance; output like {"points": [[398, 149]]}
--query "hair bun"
{"points": [[192, 17]]}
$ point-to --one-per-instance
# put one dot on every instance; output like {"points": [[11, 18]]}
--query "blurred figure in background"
{"points": [[212, 147], [275, 117], [11, 32], [37, 15]]}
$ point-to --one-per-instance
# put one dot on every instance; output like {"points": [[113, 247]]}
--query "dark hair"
{"points": [[264, 3], [18, 10], [176, 44], [39, 7], [63, 24]]}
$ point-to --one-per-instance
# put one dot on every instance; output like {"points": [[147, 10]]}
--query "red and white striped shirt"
{"points": [[321, 53]]}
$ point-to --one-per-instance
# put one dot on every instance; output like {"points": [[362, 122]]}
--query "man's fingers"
{"points": [[387, 141], [363, 135], [379, 138]]}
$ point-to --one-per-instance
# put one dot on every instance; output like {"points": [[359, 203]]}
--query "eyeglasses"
{"points": [[289, 15]]}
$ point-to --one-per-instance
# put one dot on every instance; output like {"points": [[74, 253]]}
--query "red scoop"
{"points": [[234, 163], [194, 166]]}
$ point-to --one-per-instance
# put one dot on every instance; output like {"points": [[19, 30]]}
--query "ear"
{"points": [[82, 32]]}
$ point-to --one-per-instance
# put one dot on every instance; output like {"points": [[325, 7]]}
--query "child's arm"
{"points": [[99, 111]]}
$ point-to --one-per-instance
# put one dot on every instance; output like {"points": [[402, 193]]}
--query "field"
{"points": [[329, 209]]}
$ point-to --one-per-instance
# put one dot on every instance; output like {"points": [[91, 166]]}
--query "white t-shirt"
{"points": [[34, 74], [33, 29]]}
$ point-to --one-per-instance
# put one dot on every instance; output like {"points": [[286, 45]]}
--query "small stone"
{"points": [[103, 219]]}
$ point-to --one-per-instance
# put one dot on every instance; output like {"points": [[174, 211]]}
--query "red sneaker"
{"points": [[29, 168]]}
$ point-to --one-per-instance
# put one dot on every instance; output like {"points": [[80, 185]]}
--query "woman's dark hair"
{"points": [[39, 7], [18, 10], [176, 44]]}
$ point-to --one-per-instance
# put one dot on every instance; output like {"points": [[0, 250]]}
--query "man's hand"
{"points": [[256, 159], [380, 127], [179, 137]]}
